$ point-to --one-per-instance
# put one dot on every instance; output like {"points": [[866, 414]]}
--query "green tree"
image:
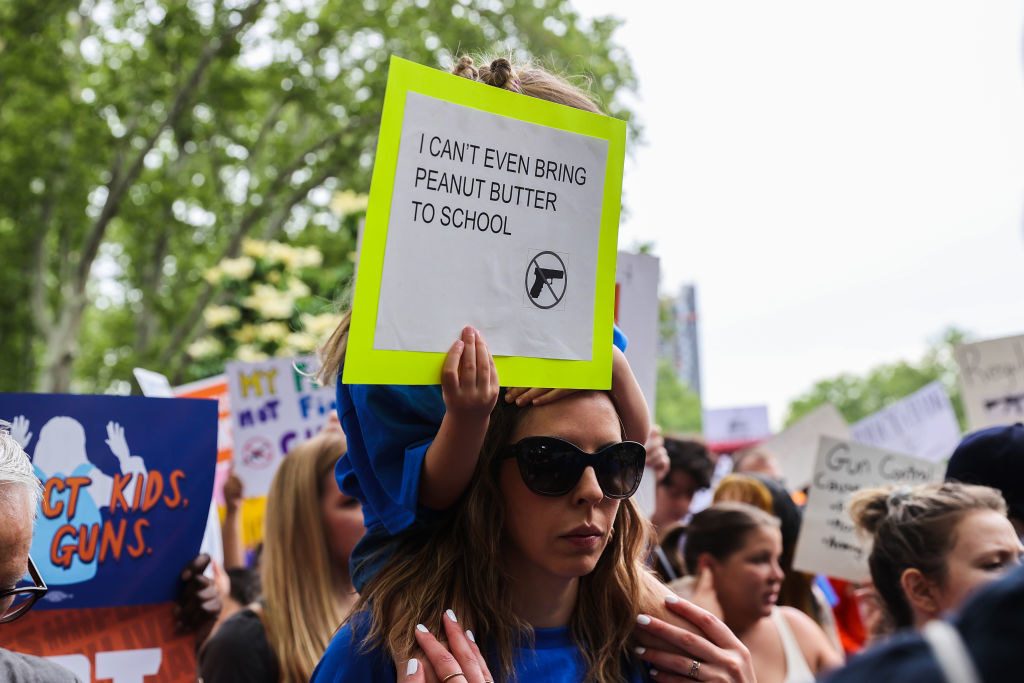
{"points": [[677, 408], [856, 397], [144, 140]]}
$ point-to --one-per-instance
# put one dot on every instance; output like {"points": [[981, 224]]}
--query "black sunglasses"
{"points": [[22, 598], [551, 466]]}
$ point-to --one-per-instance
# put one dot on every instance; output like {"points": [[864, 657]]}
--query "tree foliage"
{"points": [[857, 396], [144, 140], [677, 407]]}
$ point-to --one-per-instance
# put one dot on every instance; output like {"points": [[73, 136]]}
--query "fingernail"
{"points": [[653, 673], [672, 598], [411, 667], [469, 634], [641, 619], [639, 650], [421, 627], [451, 615]]}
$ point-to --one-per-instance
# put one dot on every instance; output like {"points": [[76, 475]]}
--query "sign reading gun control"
{"points": [[492, 209]]}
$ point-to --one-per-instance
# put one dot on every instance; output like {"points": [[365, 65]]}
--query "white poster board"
{"points": [[516, 255], [992, 377], [741, 423], [797, 446], [636, 314], [153, 384], [275, 405], [828, 542], [922, 424]]}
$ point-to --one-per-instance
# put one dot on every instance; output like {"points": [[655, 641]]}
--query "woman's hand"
{"points": [[720, 656], [440, 663]]}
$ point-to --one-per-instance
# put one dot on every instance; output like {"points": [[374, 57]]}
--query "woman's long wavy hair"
{"points": [[458, 565], [301, 608]]}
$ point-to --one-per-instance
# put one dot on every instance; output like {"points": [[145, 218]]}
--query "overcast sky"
{"points": [[842, 180]]}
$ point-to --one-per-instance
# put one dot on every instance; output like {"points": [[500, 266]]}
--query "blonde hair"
{"points": [[914, 528], [500, 73], [457, 564], [742, 488], [302, 610]]}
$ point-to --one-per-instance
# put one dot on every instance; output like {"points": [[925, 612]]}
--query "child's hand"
{"points": [[539, 397], [469, 380]]}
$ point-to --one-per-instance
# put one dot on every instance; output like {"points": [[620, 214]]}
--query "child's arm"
{"points": [[629, 400], [469, 384]]}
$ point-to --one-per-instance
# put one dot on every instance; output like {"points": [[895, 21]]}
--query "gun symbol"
{"points": [[543, 276]]}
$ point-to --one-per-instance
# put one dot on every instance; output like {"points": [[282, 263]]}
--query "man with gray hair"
{"points": [[19, 500]]}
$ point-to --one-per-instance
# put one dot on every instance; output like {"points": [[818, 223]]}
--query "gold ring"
{"points": [[457, 673], [694, 670]]}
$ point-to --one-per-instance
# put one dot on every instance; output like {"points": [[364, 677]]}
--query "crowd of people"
{"points": [[473, 532]]}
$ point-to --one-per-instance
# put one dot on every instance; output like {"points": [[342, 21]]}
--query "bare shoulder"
{"points": [[812, 640]]}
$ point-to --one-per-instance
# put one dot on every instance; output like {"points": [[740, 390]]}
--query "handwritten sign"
{"points": [[922, 424], [276, 405], [491, 209], [743, 423], [992, 377], [796, 447], [126, 495], [828, 542]]}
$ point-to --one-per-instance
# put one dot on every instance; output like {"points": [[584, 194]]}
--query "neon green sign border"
{"points": [[367, 365]]}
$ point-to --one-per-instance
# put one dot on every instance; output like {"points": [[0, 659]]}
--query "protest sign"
{"points": [[276, 405], [922, 424], [126, 495], [153, 384], [744, 423], [992, 377], [636, 314], [828, 542], [797, 446], [491, 209]]}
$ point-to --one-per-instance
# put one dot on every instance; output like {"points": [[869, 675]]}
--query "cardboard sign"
{"points": [[153, 384], [127, 483], [828, 542], [276, 404], [992, 377], [491, 209], [797, 446], [923, 425], [744, 423]]}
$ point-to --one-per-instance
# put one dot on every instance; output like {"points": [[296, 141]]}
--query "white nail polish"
{"points": [[672, 598], [421, 627], [639, 650], [643, 619], [412, 667], [469, 634], [451, 615]]}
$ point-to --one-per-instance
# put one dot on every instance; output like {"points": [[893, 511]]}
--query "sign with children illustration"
{"points": [[126, 487], [275, 404], [492, 209]]}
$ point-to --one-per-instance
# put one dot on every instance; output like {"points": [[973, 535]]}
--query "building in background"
{"points": [[680, 344]]}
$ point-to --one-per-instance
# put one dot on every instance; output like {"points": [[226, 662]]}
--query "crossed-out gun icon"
{"points": [[542, 276]]}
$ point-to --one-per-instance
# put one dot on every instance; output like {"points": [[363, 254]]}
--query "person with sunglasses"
{"points": [[20, 491], [541, 560]]}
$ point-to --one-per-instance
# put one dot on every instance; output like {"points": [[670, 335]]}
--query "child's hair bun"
{"points": [[500, 72], [464, 67]]}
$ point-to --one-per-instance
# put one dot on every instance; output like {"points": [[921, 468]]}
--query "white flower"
{"points": [[309, 257], [349, 202], [212, 275], [270, 302], [282, 253], [297, 288], [238, 268], [215, 316], [254, 248], [205, 346], [272, 331], [301, 341], [246, 334], [248, 353], [319, 325]]}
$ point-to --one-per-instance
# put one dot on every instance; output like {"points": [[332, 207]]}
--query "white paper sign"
{"points": [[153, 384], [992, 377], [494, 222], [828, 542], [743, 423], [923, 425], [636, 313], [275, 406], [796, 447]]}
